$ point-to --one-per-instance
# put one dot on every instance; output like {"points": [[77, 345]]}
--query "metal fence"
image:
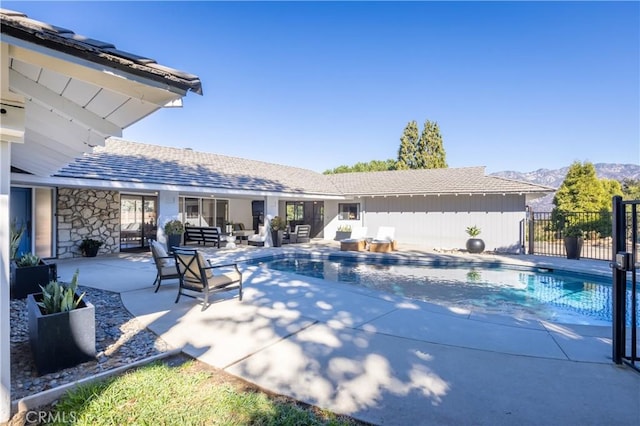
{"points": [[545, 232], [626, 306]]}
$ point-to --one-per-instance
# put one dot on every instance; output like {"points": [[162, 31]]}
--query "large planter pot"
{"points": [[277, 237], [343, 235], [475, 245], [174, 240], [63, 339], [28, 279], [90, 251], [573, 246]]}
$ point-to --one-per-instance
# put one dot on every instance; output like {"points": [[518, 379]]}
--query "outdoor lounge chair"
{"points": [[165, 264], [300, 234], [384, 241], [259, 238], [196, 275]]}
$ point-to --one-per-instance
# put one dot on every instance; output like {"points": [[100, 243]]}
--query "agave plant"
{"points": [[57, 297], [28, 259]]}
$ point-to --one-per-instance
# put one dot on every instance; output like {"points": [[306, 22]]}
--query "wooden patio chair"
{"points": [[165, 264], [196, 275]]}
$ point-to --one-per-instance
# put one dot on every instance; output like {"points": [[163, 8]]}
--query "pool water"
{"points": [[554, 296]]}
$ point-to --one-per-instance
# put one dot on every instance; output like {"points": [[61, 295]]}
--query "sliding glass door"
{"points": [[138, 214]]}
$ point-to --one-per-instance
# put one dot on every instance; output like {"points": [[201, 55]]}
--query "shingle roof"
{"points": [[126, 161], [469, 180], [20, 26]]}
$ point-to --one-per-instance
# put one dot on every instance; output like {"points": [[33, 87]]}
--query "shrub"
{"points": [[174, 227]]}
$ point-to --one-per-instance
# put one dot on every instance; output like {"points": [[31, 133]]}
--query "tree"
{"points": [[371, 166], [631, 189], [581, 190], [408, 147], [431, 154]]}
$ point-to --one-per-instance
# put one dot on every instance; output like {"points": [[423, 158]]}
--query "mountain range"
{"points": [[555, 177]]}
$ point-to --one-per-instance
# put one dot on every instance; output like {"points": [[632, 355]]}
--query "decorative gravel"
{"points": [[120, 340]]}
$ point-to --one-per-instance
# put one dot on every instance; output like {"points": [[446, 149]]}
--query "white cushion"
{"points": [[161, 252]]}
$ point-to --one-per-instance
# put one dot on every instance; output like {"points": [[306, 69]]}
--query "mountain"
{"points": [[555, 177]]}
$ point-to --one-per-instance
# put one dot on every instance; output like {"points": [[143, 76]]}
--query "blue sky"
{"points": [[513, 85]]}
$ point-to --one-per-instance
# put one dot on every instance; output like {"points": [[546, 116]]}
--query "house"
{"points": [[62, 94], [119, 193]]}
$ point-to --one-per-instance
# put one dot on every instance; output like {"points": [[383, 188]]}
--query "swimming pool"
{"points": [[519, 292]]}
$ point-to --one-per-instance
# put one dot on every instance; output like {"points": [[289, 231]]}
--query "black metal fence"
{"points": [[626, 307], [545, 232]]}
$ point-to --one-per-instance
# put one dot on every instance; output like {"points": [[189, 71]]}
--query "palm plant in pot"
{"points": [[62, 330], [28, 273], [174, 229], [474, 245], [89, 247]]}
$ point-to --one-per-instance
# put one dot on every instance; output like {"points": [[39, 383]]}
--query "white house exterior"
{"points": [[428, 208]]}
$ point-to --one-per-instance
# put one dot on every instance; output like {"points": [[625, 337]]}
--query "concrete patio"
{"points": [[381, 358]]}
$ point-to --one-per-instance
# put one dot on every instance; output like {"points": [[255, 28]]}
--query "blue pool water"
{"points": [[555, 296]]}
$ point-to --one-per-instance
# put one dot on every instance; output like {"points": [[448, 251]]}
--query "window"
{"points": [[295, 211], [349, 211]]}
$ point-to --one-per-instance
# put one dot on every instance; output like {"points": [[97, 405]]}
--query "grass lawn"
{"points": [[182, 391]]}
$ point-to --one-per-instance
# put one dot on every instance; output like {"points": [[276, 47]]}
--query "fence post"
{"points": [[619, 281], [532, 232]]}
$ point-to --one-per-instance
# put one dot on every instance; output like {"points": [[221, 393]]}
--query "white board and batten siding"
{"points": [[440, 222]]}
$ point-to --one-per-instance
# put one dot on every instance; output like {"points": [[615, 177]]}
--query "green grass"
{"points": [[159, 394]]}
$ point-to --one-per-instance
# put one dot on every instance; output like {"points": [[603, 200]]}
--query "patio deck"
{"points": [[381, 358]]}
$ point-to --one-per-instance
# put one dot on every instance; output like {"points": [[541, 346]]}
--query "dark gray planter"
{"points": [[174, 240], [61, 340], [475, 245], [90, 251], [342, 235], [277, 237], [573, 245], [28, 279]]}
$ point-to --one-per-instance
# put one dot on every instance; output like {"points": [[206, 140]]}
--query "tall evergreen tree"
{"points": [[408, 147], [582, 191], [431, 153]]}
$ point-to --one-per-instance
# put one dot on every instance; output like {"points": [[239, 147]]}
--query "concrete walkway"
{"points": [[380, 358]]}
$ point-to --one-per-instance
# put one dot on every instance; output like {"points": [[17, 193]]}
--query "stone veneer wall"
{"points": [[87, 213]]}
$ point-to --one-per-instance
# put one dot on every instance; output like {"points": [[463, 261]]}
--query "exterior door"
{"points": [[21, 211], [138, 225]]}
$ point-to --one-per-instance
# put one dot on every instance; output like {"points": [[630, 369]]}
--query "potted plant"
{"points": [[573, 240], [62, 330], [15, 235], [89, 247], [278, 226], [343, 232], [174, 229], [28, 273], [474, 245]]}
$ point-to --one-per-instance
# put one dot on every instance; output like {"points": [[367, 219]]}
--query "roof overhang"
{"points": [[77, 91], [54, 181]]}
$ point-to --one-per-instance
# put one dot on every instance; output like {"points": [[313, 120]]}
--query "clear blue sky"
{"points": [[513, 85]]}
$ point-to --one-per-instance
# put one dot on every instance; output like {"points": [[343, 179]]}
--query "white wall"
{"points": [[440, 222], [168, 209], [240, 212]]}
